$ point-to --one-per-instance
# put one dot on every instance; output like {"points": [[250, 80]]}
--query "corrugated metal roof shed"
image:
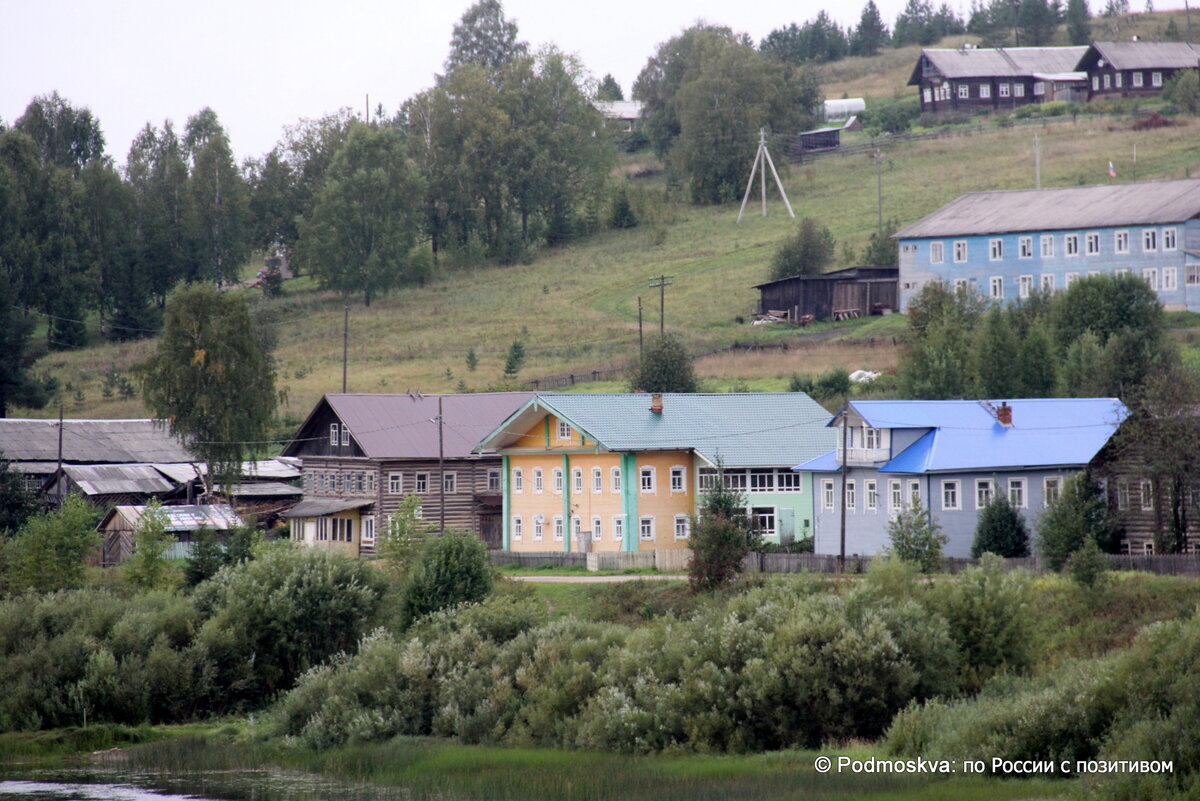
{"points": [[1061, 208], [406, 427], [965, 435], [742, 429], [118, 479], [319, 507], [266, 468], [90, 441], [218, 517], [1007, 62], [1142, 55], [263, 489]]}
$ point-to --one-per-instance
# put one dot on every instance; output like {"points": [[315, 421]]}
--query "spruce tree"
{"points": [[1001, 530]]}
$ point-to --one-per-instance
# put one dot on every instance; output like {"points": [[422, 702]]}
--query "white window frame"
{"points": [[828, 496], [1047, 282], [597, 528], [647, 480], [1039, 88], [646, 528], [1121, 242], [895, 495], [995, 250], [345, 436], [1146, 495], [395, 483], [1025, 247], [960, 285], [964, 91], [1018, 90], [851, 495], [951, 495], [563, 431], [559, 532], [1107, 81], [615, 478], [493, 481], [1156, 79], [1018, 493], [597, 481], [985, 490], [757, 514], [985, 91], [421, 484], [1003, 89], [1193, 274], [334, 428], [1169, 239], [1024, 286], [577, 480], [1149, 240], [996, 287], [870, 495], [539, 526], [1069, 279], [1139, 79], [1170, 279], [914, 491], [367, 530], [557, 481], [678, 479], [789, 481], [1091, 243], [1150, 276], [683, 527], [1071, 245], [1051, 486], [539, 481], [1117, 80], [618, 528], [960, 251], [450, 482], [518, 532], [937, 252], [1095, 83]]}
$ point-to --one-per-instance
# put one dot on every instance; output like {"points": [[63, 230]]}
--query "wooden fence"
{"points": [[550, 558]]}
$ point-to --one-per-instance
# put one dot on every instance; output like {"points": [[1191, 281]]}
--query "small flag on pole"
{"points": [[1112, 171]]}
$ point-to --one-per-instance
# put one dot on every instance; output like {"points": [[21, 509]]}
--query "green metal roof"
{"points": [[767, 429]]}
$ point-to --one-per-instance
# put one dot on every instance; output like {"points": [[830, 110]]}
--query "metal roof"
{"points": [[619, 109], [1061, 208], [218, 517], [965, 435], [263, 489], [266, 468], [118, 479], [90, 441], [406, 427], [844, 274], [318, 507], [1006, 62], [741, 429], [1142, 55]]}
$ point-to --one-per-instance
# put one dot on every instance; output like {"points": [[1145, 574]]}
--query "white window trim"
{"points": [[334, 428], [1149, 240], [517, 528], [539, 481], [682, 473], [1046, 488], [985, 91], [557, 481], [577, 480], [642, 535], [1071, 246], [395, 483], [1024, 286], [618, 528], [895, 490], [828, 495], [1146, 490], [345, 436], [996, 287], [1047, 282], [563, 431], [1025, 247], [597, 528], [597, 481], [1170, 279], [937, 252], [422, 478], [1091, 240], [686, 524], [1013, 483], [995, 250], [980, 483], [616, 479], [1162, 240], [960, 247], [539, 526], [450, 482], [870, 495], [1118, 237], [1047, 246], [851, 495], [559, 531], [957, 486], [651, 472]]}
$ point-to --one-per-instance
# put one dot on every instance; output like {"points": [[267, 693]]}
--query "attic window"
{"points": [[333, 433], [345, 436]]}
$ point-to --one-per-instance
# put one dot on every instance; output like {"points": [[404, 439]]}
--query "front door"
{"points": [[489, 530]]}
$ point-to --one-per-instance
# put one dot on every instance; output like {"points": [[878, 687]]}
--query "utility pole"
{"points": [[58, 473], [1037, 161], [661, 283], [879, 188], [762, 160], [845, 439], [441, 472], [345, 342], [641, 339]]}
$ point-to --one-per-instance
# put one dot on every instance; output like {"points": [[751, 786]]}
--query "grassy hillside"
{"points": [[576, 307]]}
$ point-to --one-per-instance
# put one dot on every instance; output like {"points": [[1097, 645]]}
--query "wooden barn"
{"points": [[838, 295], [183, 522]]}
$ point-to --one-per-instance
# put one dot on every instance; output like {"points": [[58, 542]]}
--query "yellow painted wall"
{"points": [[662, 503], [348, 548]]}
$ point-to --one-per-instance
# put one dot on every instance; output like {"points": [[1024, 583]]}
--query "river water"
{"points": [[113, 784]]}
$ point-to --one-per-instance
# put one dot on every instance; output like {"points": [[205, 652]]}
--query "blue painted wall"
{"points": [[917, 267]]}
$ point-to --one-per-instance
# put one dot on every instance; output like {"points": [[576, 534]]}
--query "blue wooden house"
{"points": [[1006, 244], [952, 456]]}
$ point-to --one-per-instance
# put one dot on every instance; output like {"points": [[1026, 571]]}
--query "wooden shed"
{"points": [[183, 522], [838, 295]]}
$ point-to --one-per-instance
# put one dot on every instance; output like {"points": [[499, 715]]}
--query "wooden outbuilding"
{"points": [[837, 295], [183, 522]]}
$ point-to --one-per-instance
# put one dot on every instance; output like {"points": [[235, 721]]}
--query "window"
{"points": [[914, 491], [1016, 492], [1149, 240], [681, 527], [872, 437], [449, 482], [368, 531], [1147, 493], [995, 249], [1117, 79], [596, 526], [1071, 244], [827, 496], [597, 481], [576, 529], [539, 523], [927, 95], [419, 513], [960, 251], [996, 287], [618, 528], [1004, 89], [616, 479], [1024, 286], [1148, 547], [1121, 241], [1122, 495], [1107, 81], [360, 483], [1047, 282], [1156, 79], [1138, 79], [1091, 243], [1018, 90], [345, 436], [1170, 279], [871, 490], [558, 528], [937, 252], [333, 433], [564, 430], [762, 480], [646, 528], [678, 479], [851, 496], [983, 492], [538, 485], [788, 481], [1095, 83], [557, 481], [1193, 274], [985, 91], [395, 483], [762, 519], [517, 531], [371, 483], [1150, 276], [950, 495], [646, 479], [577, 481], [1025, 247], [493, 481], [1170, 240], [964, 91], [422, 482], [1070, 278], [960, 285], [1051, 489], [1039, 88], [895, 495]]}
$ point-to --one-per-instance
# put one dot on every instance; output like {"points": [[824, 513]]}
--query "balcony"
{"points": [[864, 457]]}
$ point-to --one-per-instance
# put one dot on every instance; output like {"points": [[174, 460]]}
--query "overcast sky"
{"points": [[263, 65]]}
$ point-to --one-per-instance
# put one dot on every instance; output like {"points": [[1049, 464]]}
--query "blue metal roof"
{"points": [[754, 429], [965, 435]]}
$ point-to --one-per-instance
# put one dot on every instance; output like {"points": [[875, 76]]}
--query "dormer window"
{"points": [[872, 437], [564, 430]]}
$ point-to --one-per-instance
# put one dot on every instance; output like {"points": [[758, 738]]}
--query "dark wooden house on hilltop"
{"points": [[978, 79], [1135, 69], [362, 454], [853, 292]]}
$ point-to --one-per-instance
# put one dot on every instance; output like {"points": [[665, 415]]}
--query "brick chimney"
{"points": [[656, 403], [1004, 414]]}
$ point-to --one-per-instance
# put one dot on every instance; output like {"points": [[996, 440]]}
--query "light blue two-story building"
{"points": [[1006, 244], [952, 456]]}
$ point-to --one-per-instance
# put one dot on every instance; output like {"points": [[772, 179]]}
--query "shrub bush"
{"points": [[453, 569]]}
